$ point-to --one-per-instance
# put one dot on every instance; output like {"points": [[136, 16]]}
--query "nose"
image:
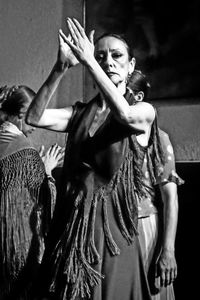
{"points": [[108, 62]]}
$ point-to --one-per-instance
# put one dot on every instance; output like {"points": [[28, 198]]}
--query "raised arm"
{"points": [[54, 119], [136, 116]]}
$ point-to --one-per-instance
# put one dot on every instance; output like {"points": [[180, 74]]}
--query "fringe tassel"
{"points": [[120, 219], [127, 209], [130, 197], [109, 239], [92, 254], [71, 264]]}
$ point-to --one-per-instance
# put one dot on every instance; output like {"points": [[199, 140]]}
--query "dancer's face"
{"points": [[112, 55]]}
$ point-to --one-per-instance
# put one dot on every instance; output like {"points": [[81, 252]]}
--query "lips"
{"points": [[111, 73]]}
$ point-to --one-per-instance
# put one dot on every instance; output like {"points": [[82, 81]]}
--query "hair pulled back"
{"points": [[13, 99]]}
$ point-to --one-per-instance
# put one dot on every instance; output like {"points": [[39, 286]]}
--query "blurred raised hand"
{"points": [[53, 157]]}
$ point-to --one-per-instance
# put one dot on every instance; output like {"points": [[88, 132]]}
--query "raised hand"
{"points": [[53, 158], [65, 55], [81, 46]]}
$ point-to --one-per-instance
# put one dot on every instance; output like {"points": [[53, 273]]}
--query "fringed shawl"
{"points": [[102, 168], [23, 220]]}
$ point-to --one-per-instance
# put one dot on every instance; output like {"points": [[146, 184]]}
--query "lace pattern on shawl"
{"points": [[20, 211]]}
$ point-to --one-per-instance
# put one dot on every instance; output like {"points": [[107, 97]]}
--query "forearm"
{"points": [[170, 222], [44, 95]]}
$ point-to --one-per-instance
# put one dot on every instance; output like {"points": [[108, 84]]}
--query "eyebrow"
{"points": [[112, 50]]}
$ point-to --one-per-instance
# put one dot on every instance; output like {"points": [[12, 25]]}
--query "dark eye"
{"points": [[99, 56], [116, 55]]}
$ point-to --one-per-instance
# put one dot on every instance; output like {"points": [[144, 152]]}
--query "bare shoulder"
{"points": [[145, 111], [145, 105]]}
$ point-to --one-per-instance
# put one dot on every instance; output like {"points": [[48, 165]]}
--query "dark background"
{"points": [[187, 245], [165, 37]]}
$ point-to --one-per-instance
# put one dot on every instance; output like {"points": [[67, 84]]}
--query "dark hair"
{"points": [[13, 100], [120, 37], [138, 82]]}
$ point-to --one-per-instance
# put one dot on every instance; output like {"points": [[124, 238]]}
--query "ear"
{"points": [[139, 96], [132, 63], [20, 115]]}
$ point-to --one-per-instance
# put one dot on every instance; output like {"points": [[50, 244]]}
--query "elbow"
{"points": [[124, 117], [136, 124], [30, 120], [27, 120]]}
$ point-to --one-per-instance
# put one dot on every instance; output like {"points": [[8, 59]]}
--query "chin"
{"points": [[116, 82]]}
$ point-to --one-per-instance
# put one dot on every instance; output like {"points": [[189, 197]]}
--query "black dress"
{"points": [[93, 248]]}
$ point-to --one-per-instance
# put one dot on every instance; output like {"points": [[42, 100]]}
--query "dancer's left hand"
{"points": [[166, 267]]}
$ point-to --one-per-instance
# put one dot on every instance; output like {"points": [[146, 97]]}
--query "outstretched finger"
{"points": [[41, 151], [63, 37], [67, 40], [57, 151], [162, 278], [53, 149], [60, 39], [79, 27], [60, 157], [167, 277], [73, 30], [91, 36]]}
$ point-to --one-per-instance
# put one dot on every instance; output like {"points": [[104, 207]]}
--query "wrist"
{"points": [[60, 67], [91, 63], [49, 173], [170, 249]]}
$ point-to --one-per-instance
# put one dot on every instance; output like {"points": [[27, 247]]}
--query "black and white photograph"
{"points": [[99, 149]]}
